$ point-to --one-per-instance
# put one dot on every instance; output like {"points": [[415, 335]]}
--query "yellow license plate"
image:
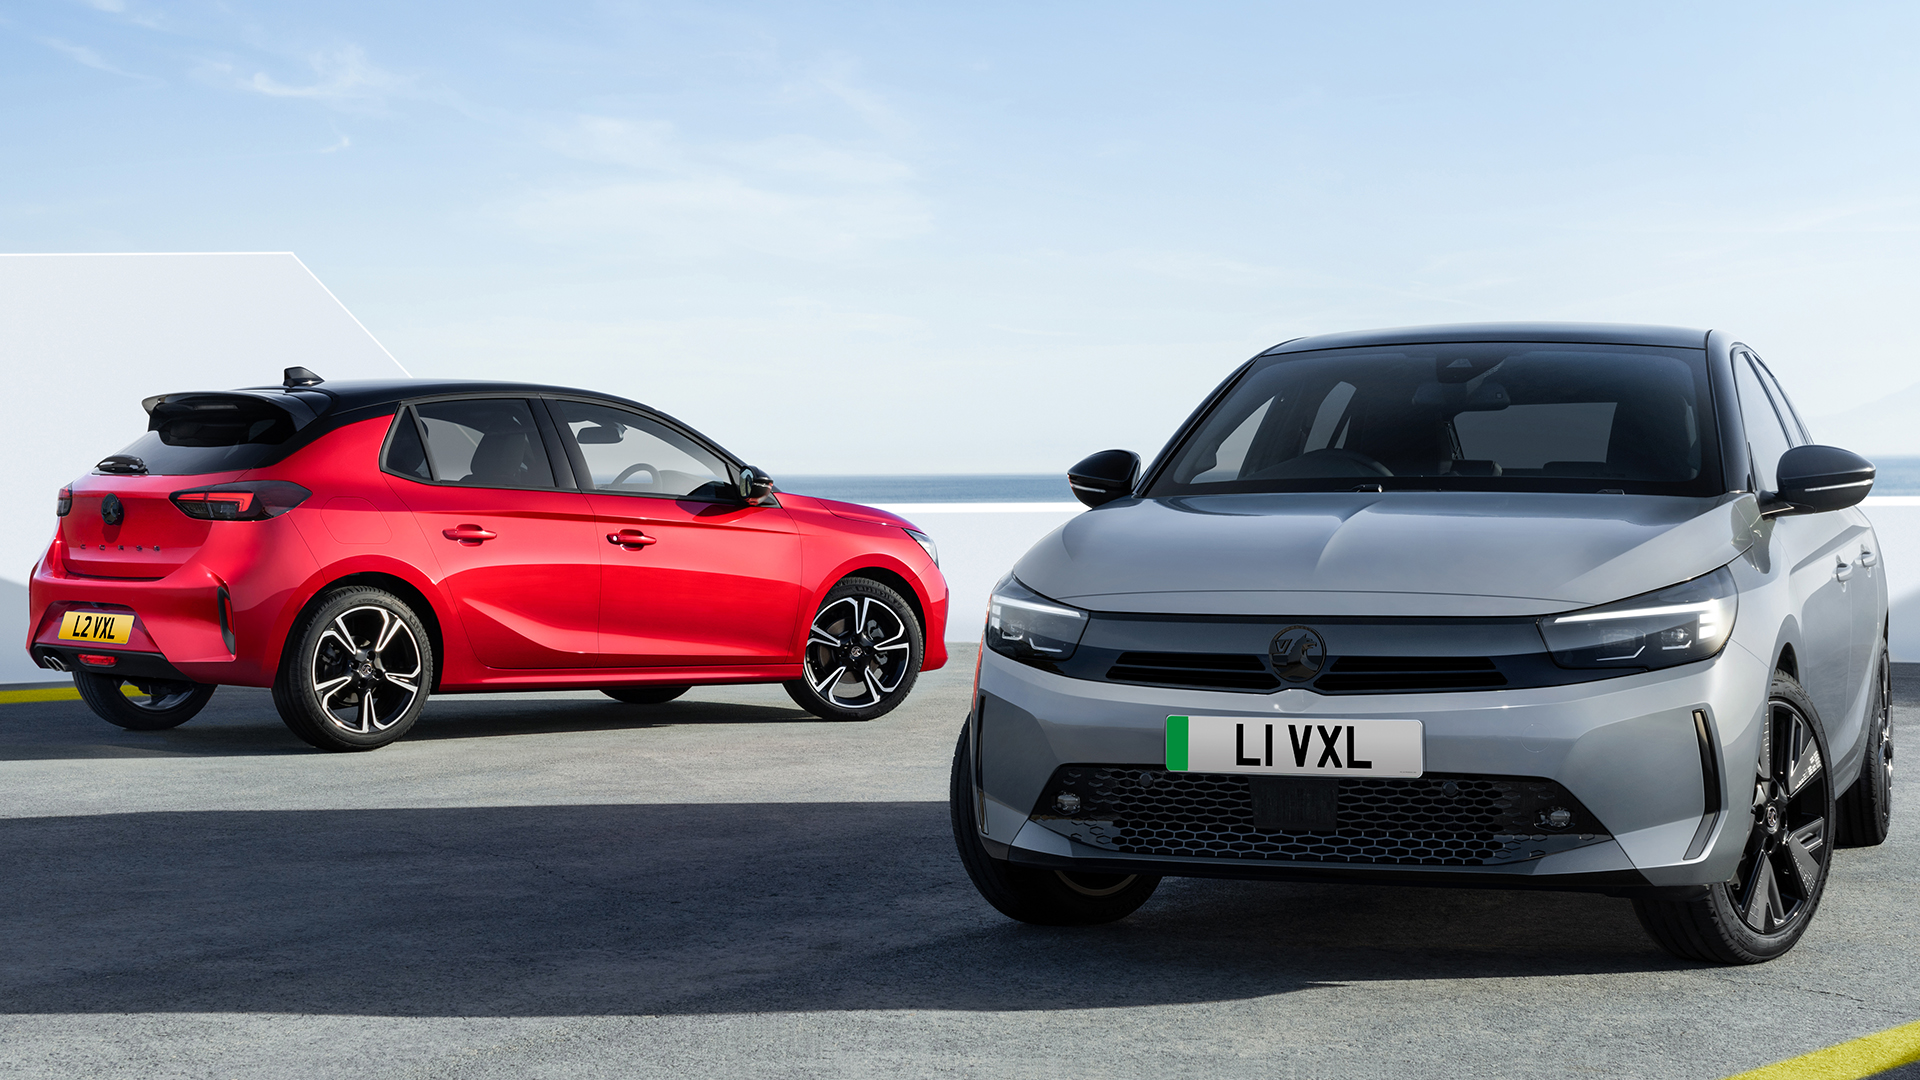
{"points": [[116, 628]]}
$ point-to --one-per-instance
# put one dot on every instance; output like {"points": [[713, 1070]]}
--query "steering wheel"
{"points": [[639, 466], [1331, 463]]}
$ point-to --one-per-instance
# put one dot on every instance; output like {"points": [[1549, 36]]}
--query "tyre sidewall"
{"points": [[103, 695], [1028, 894], [1749, 944], [824, 707], [293, 692]]}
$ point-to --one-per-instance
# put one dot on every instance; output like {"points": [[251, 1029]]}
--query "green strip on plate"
{"points": [[1176, 744]]}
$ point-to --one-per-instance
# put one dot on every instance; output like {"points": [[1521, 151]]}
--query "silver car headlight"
{"points": [[1675, 625], [1026, 626]]}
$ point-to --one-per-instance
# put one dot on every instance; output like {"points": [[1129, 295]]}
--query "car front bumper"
{"points": [[1646, 759]]}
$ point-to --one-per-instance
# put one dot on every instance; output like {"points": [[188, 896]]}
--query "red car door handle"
{"points": [[469, 534], [631, 539]]}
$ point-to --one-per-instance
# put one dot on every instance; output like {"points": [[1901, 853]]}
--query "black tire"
{"points": [[644, 695], [168, 703], [1029, 894], [863, 629], [1775, 890], [1865, 812], [356, 644]]}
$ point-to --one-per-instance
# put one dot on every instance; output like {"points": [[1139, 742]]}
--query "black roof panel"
{"points": [[353, 394]]}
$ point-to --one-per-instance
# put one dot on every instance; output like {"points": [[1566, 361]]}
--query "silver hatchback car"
{"points": [[1515, 605]]}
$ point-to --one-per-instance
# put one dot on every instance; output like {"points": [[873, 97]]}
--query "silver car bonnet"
{"points": [[1384, 553]]}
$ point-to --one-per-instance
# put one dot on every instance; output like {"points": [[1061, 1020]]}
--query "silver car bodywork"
{"points": [[1659, 763]]}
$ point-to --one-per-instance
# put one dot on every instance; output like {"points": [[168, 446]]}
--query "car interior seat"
{"points": [[500, 458]]}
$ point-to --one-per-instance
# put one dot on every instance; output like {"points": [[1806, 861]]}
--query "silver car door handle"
{"points": [[1867, 557], [1841, 570]]}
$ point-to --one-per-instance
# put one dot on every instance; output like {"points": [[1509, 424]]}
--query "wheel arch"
{"points": [[892, 580], [415, 597]]}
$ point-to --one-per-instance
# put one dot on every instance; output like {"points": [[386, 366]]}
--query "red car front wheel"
{"points": [[863, 653]]}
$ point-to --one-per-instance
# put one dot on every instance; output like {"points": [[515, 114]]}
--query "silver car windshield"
{"points": [[1476, 416]]}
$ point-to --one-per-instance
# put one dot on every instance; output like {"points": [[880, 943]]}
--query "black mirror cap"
{"points": [[1816, 479], [1104, 477], [755, 486]]}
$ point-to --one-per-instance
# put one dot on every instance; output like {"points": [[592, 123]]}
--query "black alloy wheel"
{"points": [[1763, 909], [1033, 894], [1865, 813], [644, 695], [863, 653], [160, 704], [357, 673]]}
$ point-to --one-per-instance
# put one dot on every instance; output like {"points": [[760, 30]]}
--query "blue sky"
{"points": [[987, 237]]}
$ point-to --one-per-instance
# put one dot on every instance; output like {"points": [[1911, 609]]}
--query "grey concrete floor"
{"points": [[563, 886]]}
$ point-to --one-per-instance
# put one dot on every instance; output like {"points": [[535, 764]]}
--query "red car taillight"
{"points": [[65, 505], [249, 500]]}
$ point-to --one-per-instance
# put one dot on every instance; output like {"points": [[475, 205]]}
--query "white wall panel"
{"points": [[84, 337]]}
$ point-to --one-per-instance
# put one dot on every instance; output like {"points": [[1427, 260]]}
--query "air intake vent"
{"points": [[1435, 820], [1408, 674], [1208, 671]]}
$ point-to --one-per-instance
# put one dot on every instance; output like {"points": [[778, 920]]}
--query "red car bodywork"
{"points": [[520, 589]]}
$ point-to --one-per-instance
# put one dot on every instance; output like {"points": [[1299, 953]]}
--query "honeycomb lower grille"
{"points": [[1435, 820]]}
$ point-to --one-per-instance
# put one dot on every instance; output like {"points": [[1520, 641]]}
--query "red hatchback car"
{"points": [[359, 545]]}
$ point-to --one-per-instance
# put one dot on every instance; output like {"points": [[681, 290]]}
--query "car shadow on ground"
{"points": [[241, 722], [684, 908]]}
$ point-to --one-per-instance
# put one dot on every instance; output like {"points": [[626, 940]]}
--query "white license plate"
{"points": [[1295, 746]]}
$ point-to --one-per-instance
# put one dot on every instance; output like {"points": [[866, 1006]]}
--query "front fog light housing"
{"points": [[1675, 625], [1030, 628]]}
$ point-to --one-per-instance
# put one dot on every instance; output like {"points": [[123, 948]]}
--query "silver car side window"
{"points": [[1766, 435]]}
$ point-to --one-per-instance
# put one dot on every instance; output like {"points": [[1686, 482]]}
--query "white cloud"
{"points": [[791, 195], [80, 54], [836, 78], [345, 78], [718, 214]]}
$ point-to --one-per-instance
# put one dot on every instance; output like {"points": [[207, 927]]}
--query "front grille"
{"points": [[1207, 671], [1345, 675], [1404, 674], [1436, 820]]}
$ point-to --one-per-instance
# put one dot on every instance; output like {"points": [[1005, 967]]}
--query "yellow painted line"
{"points": [[52, 693], [1853, 1060]]}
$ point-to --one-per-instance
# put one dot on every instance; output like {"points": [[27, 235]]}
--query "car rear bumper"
{"points": [[205, 625], [107, 661], [1643, 757]]}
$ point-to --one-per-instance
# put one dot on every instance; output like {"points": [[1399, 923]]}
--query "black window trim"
{"points": [[406, 408], [1797, 432]]}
